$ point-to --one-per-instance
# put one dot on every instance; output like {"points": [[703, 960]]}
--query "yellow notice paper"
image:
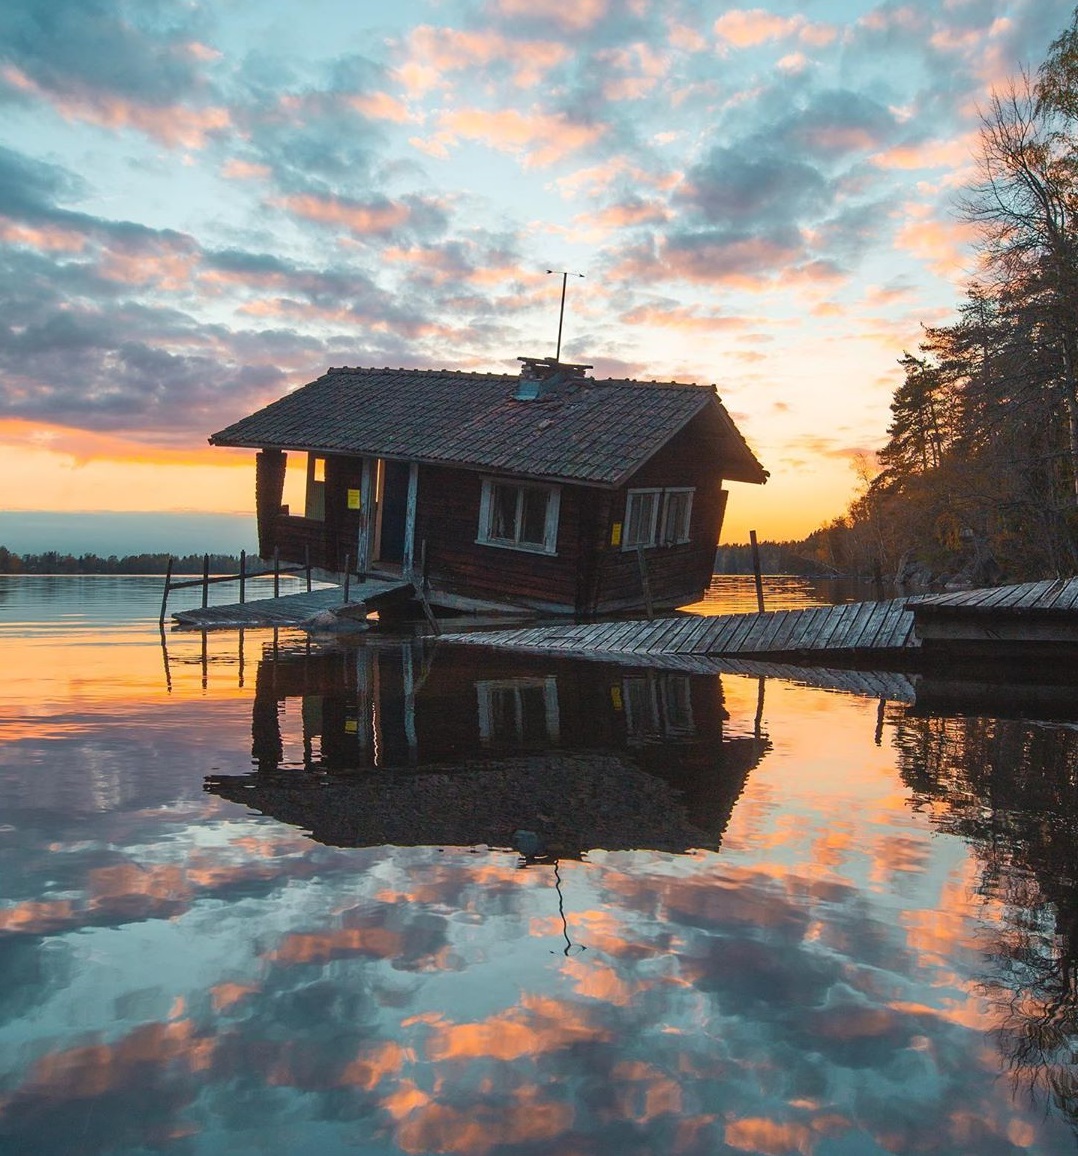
{"points": [[353, 499]]}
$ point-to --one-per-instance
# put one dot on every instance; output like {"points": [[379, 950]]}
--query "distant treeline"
{"points": [[53, 562], [775, 558]]}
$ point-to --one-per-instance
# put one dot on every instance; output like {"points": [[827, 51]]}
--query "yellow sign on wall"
{"points": [[615, 535], [353, 500]]}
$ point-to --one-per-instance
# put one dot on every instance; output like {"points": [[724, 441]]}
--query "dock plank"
{"points": [[718, 638]]}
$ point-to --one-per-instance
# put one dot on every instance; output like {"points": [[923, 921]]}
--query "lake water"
{"points": [[261, 895]]}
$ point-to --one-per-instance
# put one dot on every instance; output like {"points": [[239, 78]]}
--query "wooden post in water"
{"points": [[645, 583], [276, 571], [205, 581], [243, 576], [168, 583], [756, 572], [307, 564], [347, 575]]}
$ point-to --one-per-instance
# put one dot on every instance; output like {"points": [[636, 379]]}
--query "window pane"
{"points": [[640, 520], [533, 517], [503, 513], [677, 517]]}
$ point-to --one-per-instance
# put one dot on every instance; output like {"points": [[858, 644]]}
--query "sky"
{"points": [[205, 205]]}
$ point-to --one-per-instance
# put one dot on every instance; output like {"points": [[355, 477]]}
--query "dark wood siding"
{"points": [[447, 525], [677, 574]]}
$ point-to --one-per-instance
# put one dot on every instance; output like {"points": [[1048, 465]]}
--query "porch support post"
{"points": [[366, 508], [269, 490], [408, 560]]}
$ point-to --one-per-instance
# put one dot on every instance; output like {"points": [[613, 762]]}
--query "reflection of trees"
{"points": [[1011, 788]]}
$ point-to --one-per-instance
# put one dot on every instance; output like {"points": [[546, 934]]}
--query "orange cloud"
{"points": [[537, 1025], [758, 1134], [433, 1127], [343, 943], [373, 1064], [944, 245]]}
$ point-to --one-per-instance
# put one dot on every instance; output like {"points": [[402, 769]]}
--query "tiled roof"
{"points": [[598, 432]]}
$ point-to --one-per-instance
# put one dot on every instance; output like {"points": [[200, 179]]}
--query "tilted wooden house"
{"points": [[550, 490]]}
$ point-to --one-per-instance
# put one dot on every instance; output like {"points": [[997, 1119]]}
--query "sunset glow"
{"points": [[202, 207]]}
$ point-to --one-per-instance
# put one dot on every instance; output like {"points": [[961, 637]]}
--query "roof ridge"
{"points": [[407, 369]]}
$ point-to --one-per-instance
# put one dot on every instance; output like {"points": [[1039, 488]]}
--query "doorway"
{"points": [[392, 536]]}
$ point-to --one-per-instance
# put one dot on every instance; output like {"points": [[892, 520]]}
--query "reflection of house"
{"points": [[390, 746], [552, 489]]}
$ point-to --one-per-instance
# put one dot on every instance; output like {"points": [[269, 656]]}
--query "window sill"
{"points": [[654, 546], [517, 548]]}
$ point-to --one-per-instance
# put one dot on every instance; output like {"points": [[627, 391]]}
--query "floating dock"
{"points": [[1023, 620], [296, 609], [862, 628]]}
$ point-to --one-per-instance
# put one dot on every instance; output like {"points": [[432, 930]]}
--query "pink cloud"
{"points": [[640, 68], [237, 170], [50, 238], [747, 28], [929, 155], [944, 245], [574, 17], [683, 318], [537, 138], [174, 125], [382, 106], [375, 219], [434, 52]]}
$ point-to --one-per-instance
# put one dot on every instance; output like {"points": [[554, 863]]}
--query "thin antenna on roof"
{"points": [[561, 316]]}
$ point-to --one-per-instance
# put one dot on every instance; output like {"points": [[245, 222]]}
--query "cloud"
{"points": [[747, 28], [142, 68], [434, 53], [577, 17], [538, 138]]}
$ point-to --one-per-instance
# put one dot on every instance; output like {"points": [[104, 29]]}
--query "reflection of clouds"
{"points": [[813, 985]]}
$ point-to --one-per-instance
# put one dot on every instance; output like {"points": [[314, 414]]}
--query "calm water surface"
{"points": [[261, 894]]}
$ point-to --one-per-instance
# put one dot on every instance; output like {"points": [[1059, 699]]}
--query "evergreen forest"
{"points": [[978, 480]]}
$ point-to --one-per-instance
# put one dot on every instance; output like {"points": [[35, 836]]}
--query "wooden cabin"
{"points": [[550, 490]]}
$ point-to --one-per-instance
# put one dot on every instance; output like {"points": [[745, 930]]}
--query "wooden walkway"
{"points": [[853, 628], [294, 609], [1052, 596]]}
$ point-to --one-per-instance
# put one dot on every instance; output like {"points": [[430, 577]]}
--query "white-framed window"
{"points": [[518, 711], [657, 517], [519, 515], [641, 518], [658, 704]]}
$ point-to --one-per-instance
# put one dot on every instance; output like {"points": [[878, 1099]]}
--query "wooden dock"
{"points": [[852, 628], [1031, 616], [296, 609], [1023, 620]]}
